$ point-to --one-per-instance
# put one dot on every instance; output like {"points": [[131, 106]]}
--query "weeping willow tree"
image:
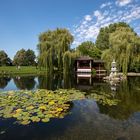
{"points": [[124, 48], [67, 68], [108, 57], [52, 46]]}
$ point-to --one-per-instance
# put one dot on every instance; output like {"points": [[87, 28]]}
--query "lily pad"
{"points": [[39, 105]]}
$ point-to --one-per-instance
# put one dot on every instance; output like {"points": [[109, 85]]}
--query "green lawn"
{"points": [[12, 70]]}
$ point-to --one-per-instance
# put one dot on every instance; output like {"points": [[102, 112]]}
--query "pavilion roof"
{"points": [[98, 61], [84, 58], [89, 58]]}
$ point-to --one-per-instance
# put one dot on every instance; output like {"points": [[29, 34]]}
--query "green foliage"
{"points": [[103, 98], [24, 58], [102, 41], [93, 72], [67, 67], [19, 58], [52, 46], [88, 48], [124, 48], [67, 63], [30, 57], [108, 57], [4, 59], [24, 70]]}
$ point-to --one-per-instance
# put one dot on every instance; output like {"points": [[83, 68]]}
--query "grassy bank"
{"points": [[23, 70]]}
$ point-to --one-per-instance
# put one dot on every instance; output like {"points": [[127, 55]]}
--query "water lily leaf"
{"points": [[18, 110], [16, 115], [35, 119], [25, 122], [30, 107], [43, 107], [33, 106], [51, 103], [45, 120], [2, 132], [59, 109]]}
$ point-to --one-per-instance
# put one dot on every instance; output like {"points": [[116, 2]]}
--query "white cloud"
{"points": [[133, 14], [88, 18], [98, 14], [123, 2], [105, 5], [89, 26]]}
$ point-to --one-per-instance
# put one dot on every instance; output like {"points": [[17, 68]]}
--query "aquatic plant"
{"points": [[103, 98], [35, 106], [93, 72]]}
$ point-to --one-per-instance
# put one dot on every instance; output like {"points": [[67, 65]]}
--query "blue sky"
{"points": [[21, 21]]}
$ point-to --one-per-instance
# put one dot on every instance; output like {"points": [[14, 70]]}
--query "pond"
{"points": [[87, 119]]}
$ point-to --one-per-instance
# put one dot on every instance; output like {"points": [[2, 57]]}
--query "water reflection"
{"points": [[25, 82], [129, 100], [50, 82], [127, 91], [55, 81], [88, 119], [4, 81]]}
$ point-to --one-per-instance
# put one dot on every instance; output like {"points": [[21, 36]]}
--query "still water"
{"points": [[87, 119]]}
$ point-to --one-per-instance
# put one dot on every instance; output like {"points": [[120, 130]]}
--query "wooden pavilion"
{"points": [[85, 65]]}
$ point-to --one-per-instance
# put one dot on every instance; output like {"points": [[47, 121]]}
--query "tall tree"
{"points": [[4, 59], [52, 46], [88, 48], [20, 58], [125, 49], [30, 57], [24, 58], [102, 41]]}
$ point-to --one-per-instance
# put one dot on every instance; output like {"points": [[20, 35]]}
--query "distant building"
{"points": [[85, 66]]}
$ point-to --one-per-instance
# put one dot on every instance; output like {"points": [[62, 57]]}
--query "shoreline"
{"points": [[131, 74]]}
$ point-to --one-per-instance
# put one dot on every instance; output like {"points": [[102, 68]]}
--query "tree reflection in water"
{"points": [[4, 81], [50, 82], [55, 81], [127, 92], [129, 98], [25, 82]]}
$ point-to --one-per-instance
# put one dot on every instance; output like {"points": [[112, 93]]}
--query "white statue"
{"points": [[113, 69]]}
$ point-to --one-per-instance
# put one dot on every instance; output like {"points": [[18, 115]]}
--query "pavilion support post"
{"points": [[77, 64], [77, 80], [90, 65], [90, 80], [99, 70]]}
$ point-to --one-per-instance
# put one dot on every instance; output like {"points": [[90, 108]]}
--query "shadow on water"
{"points": [[55, 81], [88, 119], [4, 81], [25, 82], [50, 82]]}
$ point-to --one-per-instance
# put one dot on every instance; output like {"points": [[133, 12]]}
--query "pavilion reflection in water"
{"points": [[84, 81]]}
